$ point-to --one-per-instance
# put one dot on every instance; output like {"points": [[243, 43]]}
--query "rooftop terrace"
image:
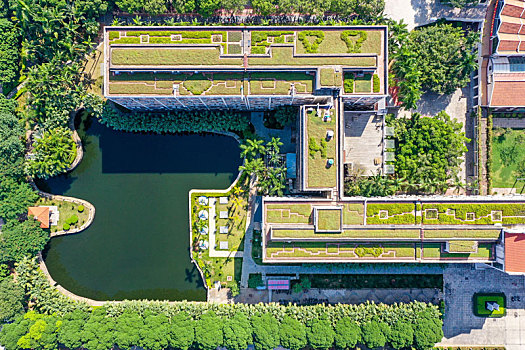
{"points": [[242, 60]]}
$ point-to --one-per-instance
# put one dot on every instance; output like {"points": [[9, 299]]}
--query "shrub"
{"points": [[373, 337], [292, 334], [376, 83], [66, 227], [353, 47], [72, 220], [313, 47], [321, 333], [265, 331], [80, 208], [349, 83], [255, 280], [401, 335], [347, 333]]}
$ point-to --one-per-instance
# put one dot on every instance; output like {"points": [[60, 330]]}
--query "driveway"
{"points": [[420, 12], [461, 327]]}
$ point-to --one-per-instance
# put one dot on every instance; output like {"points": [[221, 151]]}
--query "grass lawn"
{"points": [[363, 84], [332, 43], [318, 174], [171, 57], [329, 219], [353, 213], [138, 89], [329, 77], [236, 223], [278, 83], [66, 210], [507, 153], [220, 268], [433, 251], [283, 56], [390, 213], [473, 213], [479, 301], [365, 233], [289, 213]]}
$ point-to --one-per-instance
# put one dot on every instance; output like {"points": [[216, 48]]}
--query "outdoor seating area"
{"points": [[363, 142]]}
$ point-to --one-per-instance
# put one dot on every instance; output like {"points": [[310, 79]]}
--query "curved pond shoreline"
{"points": [[66, 184]]}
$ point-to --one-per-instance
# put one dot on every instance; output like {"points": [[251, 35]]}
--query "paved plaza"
{"points": [[461, 327]]}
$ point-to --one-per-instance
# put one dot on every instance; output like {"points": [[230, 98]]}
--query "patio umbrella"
{"points": [[203, 200], [204, 231], [203, 215]]}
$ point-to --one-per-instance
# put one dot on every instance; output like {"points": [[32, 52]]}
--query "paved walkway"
{"points": [[461, 327], [515, 123], [419, 12], [343, 296]]}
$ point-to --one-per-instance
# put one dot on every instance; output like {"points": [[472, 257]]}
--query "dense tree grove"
{"points": [[365, 10], [438, 58], [9, 51]]}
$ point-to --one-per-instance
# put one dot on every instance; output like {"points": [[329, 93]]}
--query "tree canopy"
{"points": [[11, 300], [19, 239], [9, 51]]}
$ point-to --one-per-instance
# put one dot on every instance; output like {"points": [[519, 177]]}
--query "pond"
{"points": [[138, 245]]}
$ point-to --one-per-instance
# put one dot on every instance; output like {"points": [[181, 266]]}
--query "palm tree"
{"points": [[252, 148]]}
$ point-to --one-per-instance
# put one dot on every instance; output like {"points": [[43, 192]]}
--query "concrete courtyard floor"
{"points": [[462, 327]]}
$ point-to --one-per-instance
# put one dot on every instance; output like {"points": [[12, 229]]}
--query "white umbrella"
{"points": [[204, 231], [203, 200], [203, 215]]}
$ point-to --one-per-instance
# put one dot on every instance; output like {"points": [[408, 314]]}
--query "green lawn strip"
{"points": [[220, 268], [332, 43], [353, 213], [66, 210], [234, 49], [280, 82], [329, 219], [329, 77], [505, 144], [398, 213], [481, 211], [318, 175], [433, 251], [236, 224], [494, 234], [365, 233], [343, 250], [189, 34], [138, 89], [208, 56], [289, 213], [125, 40], [363, 84], [479, 301], [234, 36], [283, 56], [462, 246]]}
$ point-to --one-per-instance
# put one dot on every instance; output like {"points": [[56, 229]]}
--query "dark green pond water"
{"points": [[138, 244]]}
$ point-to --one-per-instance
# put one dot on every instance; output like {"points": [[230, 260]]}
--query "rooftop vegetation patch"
{"points": [[280, 83], [462, 246], [283, 56], [508, 158], [390, 213], [321, 149], [493, 234], [473, 213], [311, 39], [208, 56], [363, 84], [435, 251], [329, 77], [350, 234], [353, 39], [353, 213], [289, 213], [333, 43], [338, 251], [329, 219]]}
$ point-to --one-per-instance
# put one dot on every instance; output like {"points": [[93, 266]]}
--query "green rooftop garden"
{"points": [[209, 56], [435, 251], [507, 154], [329, 77], [473, 213], [493, 234], [289, 213], [335, 251], [358, 233], [353, 213], [462, 246], [280, 83], [482, 308], [339, 41], [390, 213], [321, 149], [329, 219]]}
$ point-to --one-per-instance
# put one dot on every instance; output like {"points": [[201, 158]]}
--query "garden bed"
{"points": [[363, 281], [479, 301], [320, 150]]}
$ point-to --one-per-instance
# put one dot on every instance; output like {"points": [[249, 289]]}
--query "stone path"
{"points": [[461, 327], [343, 296]]}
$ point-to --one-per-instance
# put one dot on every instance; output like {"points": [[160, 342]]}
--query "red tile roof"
{"points": [[512, 10], [515, 252], [508, 93], [507, 45], [511, 28], [41, 214]]}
